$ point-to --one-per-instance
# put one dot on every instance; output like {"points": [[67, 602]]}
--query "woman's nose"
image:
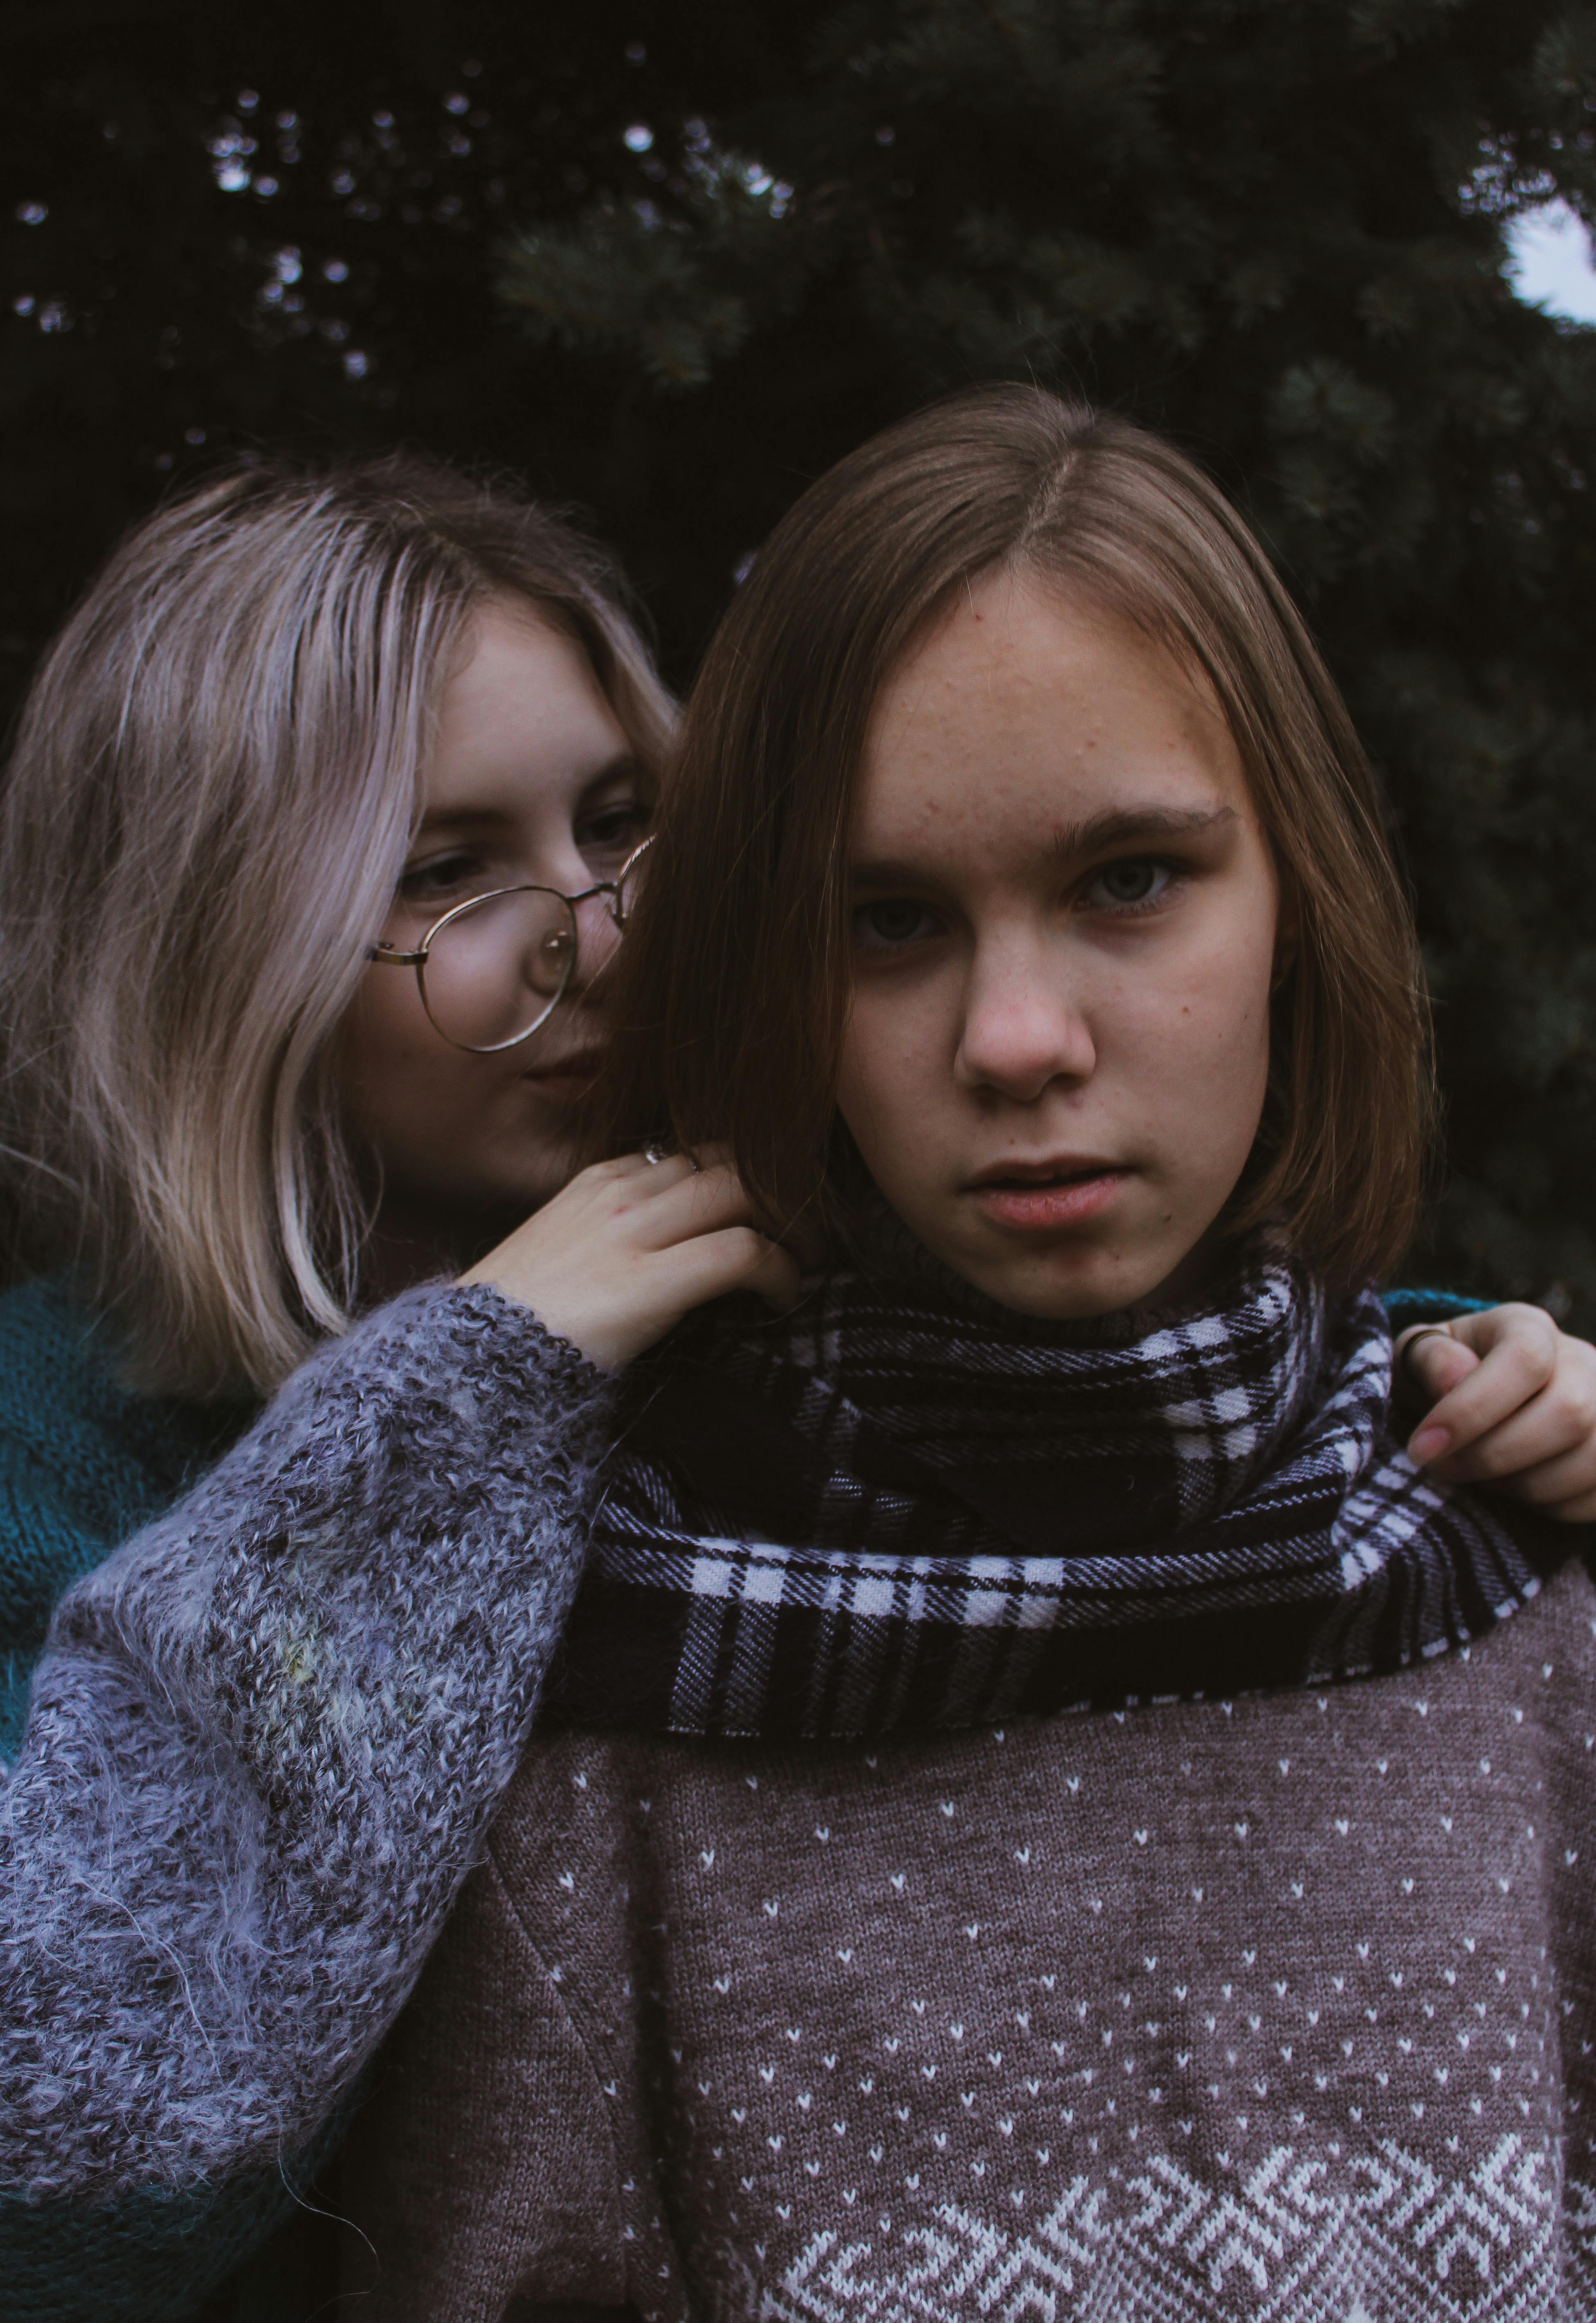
{"points": [[1022, 1028]]}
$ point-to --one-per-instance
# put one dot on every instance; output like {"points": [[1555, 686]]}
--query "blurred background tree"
{"points": [[669, 261]]}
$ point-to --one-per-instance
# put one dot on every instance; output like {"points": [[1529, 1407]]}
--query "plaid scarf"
{"points": [[904, 1507]]}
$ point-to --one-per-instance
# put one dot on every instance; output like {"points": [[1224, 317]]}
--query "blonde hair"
{"points": [[209, 805]]}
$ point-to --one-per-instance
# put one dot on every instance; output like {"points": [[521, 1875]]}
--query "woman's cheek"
{"points": [[896, 1071], [1217, 1050], [864, 1094]]}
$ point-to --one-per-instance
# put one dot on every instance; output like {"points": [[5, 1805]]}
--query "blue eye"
{"points": [[888, 925], [1135, 879]]}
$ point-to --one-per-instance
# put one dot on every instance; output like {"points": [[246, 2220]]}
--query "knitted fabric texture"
{"points": [[83, 1463], [903, 1507], [1264, 2009], [1268, 2010], [264, 1743]]}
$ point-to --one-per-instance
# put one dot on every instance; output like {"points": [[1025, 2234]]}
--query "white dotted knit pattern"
{"points": [[1277, 2008]]}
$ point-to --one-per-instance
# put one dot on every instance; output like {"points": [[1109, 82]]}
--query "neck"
{"points": [[412, 1243]]}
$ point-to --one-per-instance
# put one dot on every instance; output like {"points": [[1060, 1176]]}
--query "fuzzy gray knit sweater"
{"points": [[265, 1741]]}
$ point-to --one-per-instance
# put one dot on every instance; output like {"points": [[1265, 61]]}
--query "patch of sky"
{"points": [[1550, 261]]}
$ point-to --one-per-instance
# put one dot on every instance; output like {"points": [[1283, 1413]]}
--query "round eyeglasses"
{"points": [[492, 969]]}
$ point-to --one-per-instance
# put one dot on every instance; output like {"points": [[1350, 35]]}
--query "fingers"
{"points": [[1564, 1487], [1528, 1327], [698, 1202], [1524, 1418], [654, 1203], [1558, 1421], [1544, 1452], [1532, 1436], [662, 1170], [652, 1159], [630, 1246], [732, 1258], [1433, 1363], [1518, 1350], [696, 1217]]}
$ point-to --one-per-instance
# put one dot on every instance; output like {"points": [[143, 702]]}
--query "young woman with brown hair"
{"points": [[1023, 923]]}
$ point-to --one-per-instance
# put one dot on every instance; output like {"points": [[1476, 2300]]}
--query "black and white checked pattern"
{"points": [[896, 1509]]}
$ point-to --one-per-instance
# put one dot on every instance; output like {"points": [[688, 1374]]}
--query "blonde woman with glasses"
{"points": [[320, 828], [324, 816]]}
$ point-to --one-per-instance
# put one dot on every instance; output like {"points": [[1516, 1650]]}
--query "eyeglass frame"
{"points": [[385, 956]]}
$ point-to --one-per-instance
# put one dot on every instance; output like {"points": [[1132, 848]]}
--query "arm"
{"points": [[270, 1732], [265, 1740]]}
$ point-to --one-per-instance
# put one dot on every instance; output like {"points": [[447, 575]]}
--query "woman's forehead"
{"points": [[1022, 703], [520, 714]]}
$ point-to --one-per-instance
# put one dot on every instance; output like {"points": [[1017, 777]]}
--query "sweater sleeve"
{"points": [[266, 1738], [1405, 1307]]}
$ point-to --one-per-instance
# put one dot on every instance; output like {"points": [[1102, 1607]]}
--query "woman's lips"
{"points": [[567, 1077], [1038, 1204]]}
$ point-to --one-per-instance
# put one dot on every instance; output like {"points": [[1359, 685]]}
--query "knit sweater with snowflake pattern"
{"points": [[1236, 2007], [217, 1888], [1276, 2008]]}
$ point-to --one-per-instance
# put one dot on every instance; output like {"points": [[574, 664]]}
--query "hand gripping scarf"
{"points": [[905, 1507]]}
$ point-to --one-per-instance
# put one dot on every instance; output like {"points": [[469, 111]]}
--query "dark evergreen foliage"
{"points": [[1274, 227]]}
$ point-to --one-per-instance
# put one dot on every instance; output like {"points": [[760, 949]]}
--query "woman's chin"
{"points": [[1065, 1278]]}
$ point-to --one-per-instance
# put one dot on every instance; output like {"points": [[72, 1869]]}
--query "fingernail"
{"points": [[1428, 1444]]}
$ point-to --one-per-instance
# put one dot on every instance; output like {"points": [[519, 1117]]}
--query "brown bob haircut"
{"points": [[733, 988]]}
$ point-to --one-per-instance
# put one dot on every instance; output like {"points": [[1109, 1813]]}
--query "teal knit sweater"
{"points": [[83, 1463]]}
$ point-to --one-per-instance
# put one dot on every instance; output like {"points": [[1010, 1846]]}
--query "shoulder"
{"points": [[83, 1463], [48, 1365], [62, 1405]]}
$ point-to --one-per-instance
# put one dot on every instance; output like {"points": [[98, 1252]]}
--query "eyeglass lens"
{"points": [[496, 970]]}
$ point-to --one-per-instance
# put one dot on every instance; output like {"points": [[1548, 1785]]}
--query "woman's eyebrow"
{"points": [[1123, 826], [466, 817], [460, 818], [625, 766], [886, 871], [1114, 826]]}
